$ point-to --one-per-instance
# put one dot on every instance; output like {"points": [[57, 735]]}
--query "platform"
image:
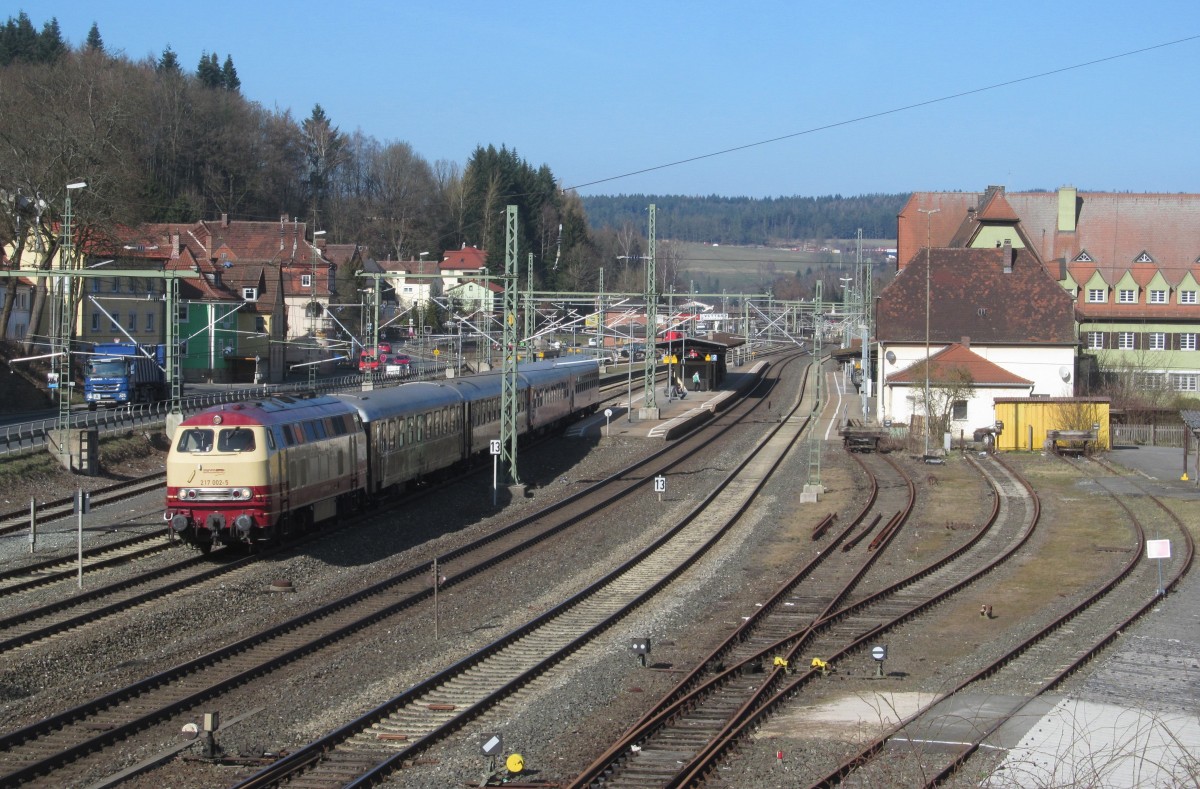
{"points": [[676, 416]]}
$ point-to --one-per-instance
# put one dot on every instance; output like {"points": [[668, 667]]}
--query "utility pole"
{"points": [[928, 212], [649, 409], [508, 392], [529, 309], [813, 487], [313, 308], [864, 292]]}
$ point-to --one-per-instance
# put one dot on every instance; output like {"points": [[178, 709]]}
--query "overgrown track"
{"points": [[47, 748], [1033, 667], [848, 629]]}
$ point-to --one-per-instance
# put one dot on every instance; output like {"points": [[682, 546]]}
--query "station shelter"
{"points": [[698, 364]]}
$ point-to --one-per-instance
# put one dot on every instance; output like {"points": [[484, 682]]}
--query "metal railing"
{"points": [[32, 435]]}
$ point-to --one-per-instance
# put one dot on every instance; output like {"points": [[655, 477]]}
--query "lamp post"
{"points": [[312, 310], [928, 212]]}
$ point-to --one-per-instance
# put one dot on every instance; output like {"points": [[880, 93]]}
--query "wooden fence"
{"points": [[1148, 435]]}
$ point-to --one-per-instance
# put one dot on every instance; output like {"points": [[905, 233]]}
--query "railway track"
{"points": [[49, 747], [31, 576], [1034, 666], [833, 633], [367, 749], [687, 719], [17, 521]]}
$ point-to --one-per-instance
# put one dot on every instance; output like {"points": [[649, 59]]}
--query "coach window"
{"points": [[408, 429], [390, 440], [270, 439], [310, 431]]}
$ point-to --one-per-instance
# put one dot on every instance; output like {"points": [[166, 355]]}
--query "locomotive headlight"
{"points": [[241, 493], [188, 493]]}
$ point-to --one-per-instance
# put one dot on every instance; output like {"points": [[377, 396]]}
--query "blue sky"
{"points": [[599, 90]]}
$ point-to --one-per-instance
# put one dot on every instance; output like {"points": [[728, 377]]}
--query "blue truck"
{"points": [[118, 373]]}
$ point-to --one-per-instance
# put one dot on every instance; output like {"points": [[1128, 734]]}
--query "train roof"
{"points": [[402, 399], [281, 409]]}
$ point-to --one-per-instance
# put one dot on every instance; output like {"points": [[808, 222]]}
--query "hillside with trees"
{"points": [[771, 221], [157, 142]]}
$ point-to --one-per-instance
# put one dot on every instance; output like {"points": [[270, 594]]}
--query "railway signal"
{"points": [[641, 648], [880, 655]]}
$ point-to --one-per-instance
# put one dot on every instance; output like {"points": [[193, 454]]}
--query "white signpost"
{"points": [[1159, 549], [660, 486], [495, 445], [607, 418]]}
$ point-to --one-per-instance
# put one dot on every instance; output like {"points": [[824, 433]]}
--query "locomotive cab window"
{"points": [[237, 439], [195, 440]]}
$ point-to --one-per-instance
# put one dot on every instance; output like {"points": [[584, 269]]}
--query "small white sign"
{"points": [[608, 413], [492, 745], [879, 653], [495, 443], [1158, 549], [660, 484]]}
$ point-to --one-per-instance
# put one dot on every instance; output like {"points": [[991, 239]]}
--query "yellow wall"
{"points": [[1044, 415]]}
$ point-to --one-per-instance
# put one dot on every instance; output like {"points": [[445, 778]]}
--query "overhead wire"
{"points": [[884, 113]]}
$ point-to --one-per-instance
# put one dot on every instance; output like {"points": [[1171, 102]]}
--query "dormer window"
{"points": [[1158, 297], [250, 294], [306, 280], [1083, 257], [1187, 297], [1143, 258], [1097, 296], [1127, 296]]}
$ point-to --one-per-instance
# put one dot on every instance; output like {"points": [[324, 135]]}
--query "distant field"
{"points": [[741, 269]]}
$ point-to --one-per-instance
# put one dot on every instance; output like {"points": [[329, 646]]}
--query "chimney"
{"points": [[1067, 199], [174, 245], [965, 342], [224, 220], [1008, 256]]}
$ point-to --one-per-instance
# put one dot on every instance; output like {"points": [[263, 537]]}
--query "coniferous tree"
{"points": [[168, 63], [208, 72], [18, 41], [94, 42], [50, 43], [229, 77]]}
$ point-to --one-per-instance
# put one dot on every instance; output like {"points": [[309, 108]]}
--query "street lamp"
{"points": [[928, 212], [312, 309]]}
